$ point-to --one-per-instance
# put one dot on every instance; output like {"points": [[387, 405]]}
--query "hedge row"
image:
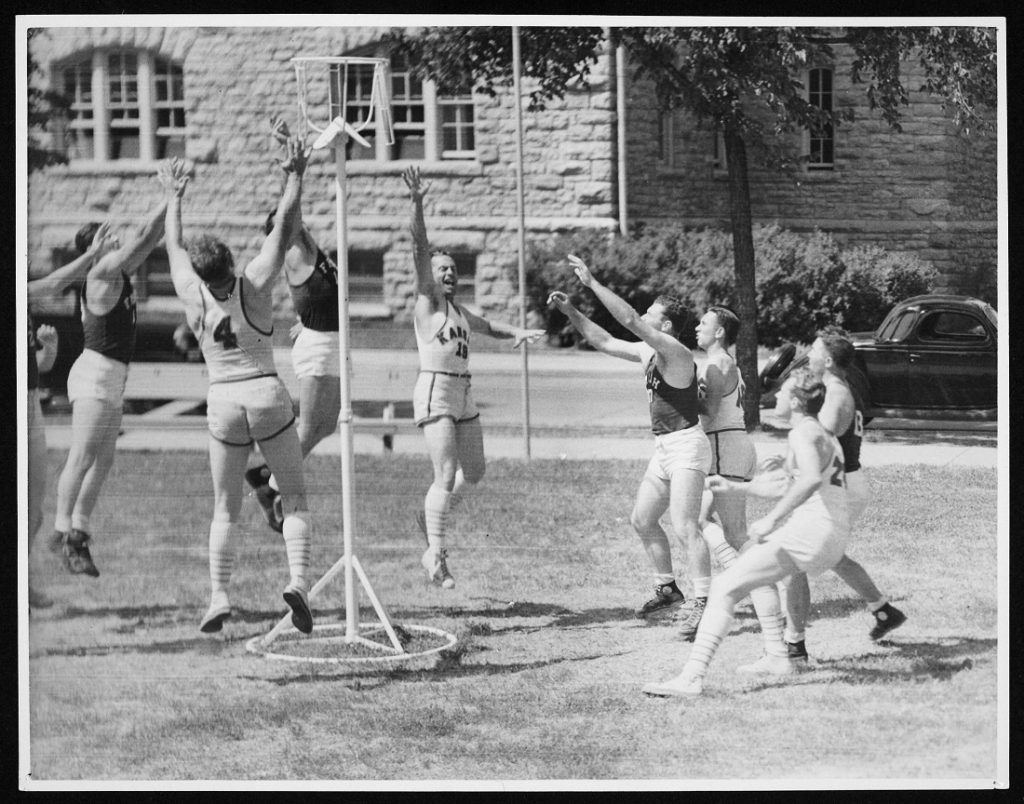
{"points": [[804, 281]]}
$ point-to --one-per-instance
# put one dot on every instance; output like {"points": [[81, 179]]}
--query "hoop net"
{"points": [[352, 88]]}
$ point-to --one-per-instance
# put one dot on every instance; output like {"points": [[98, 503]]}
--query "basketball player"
{"points": [[97, 379], [814, 528], [443, 404], [829, 359], [682, 456], [232, 318]]}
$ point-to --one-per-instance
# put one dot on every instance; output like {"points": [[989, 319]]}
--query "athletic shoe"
{"points": [[297, 598], [75, 551], [269, 501], [769, 665], [215, 616], [667, 598], [680, 686], [436, 565], [258, 476], [420, 518], [688, 628], [888, 618], [798, 653], [56, 541]]}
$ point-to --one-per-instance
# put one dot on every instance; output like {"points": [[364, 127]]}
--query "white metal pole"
{"points": [[521, 208], [345, 415]]}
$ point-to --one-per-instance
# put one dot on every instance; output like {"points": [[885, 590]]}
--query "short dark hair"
{"points": [[808, 389], [675, 311], [211, 259], [837, 344], [84, 237], [727, 320]]}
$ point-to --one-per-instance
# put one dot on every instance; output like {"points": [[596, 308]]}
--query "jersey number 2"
{"points": [[838, 476], [223, 334]]}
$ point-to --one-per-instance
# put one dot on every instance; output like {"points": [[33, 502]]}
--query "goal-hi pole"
{"points": [[521, 210]]}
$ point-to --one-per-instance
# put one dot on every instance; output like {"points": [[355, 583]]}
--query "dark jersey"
{"points": [[316, 299], [112, 334], [672, 409], [850, 440], [33, 347]]}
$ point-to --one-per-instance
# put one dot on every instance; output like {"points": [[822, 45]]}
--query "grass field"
{"points": [[544, 683]]}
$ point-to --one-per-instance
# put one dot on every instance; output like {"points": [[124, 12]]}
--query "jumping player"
{"points": [[814, 528], [830, 358], [443, 403], [97, 379], [232, 318], [682, 456]]}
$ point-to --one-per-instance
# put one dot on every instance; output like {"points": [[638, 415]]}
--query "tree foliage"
{"points": [[43, 107]]}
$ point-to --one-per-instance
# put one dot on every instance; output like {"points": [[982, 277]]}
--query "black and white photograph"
{"points": [[511, 403]]}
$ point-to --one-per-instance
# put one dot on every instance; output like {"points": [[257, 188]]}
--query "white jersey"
{"points": [[446, 350], [830, 496], [729, 415], [234, 349]]}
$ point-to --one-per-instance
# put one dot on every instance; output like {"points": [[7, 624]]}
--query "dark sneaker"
{"points": [[688, 628], [798, 652], [297, 600], [269, 501], [75, 551], [667, 598], [888, 618], [258, 476], [56, 541], [420, 518]]}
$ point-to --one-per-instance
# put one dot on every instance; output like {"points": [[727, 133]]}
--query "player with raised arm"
{"points": [[97, 379], [674, 479], [830, 358], [805, 531], [232, 318], [443, 404]]}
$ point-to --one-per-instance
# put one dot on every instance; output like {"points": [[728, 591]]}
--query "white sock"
{"points": [[768, 609], [273, 484], [714, 625], [878, 604], [793, 636], [662, 579], [62, 523], [222, 555], [701, 586], [295, 530], [436, 505], [725, 554], [80, 522]]}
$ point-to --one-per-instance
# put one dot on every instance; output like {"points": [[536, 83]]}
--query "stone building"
{"points": [[206, 93]]}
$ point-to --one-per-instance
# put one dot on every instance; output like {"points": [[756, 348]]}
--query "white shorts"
{"points": [[733, 455], [683, 449], [813, 538], [96, 376], [239, 412], [857, 494], [316, 354], [438, 395]]}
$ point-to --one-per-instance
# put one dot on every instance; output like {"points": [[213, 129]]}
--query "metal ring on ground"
{"points": [[388, 656]]}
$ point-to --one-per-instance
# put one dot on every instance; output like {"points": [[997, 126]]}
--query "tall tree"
{"points": [[743, 82], [43, 107]]}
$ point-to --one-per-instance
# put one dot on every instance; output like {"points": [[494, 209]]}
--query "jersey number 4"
{"points": [[223, 334]]}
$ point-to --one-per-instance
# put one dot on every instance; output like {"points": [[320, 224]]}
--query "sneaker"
{"points": [[769, 665], [798, 653], [75, 552], [297, 598], [888, 618], [436, 565], [688, 628], [215, 616], [270, 504], [420, 519], [681, 685], [257, 476], [667, 598]]}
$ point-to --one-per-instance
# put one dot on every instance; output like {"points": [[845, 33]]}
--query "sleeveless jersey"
{"points": [[672, 409], [112, 334], [729, 415], [234, 349], [446, 351], [850, 440], [33, 347], [831, 494], [316, 299]]}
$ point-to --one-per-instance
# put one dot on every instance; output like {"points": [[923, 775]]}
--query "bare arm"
{"points": [[131, 255], [497, 329], [183, 276], [47, 355], [807, 481], [596, 335], [265, 266], [425, 284], [75, 271]]}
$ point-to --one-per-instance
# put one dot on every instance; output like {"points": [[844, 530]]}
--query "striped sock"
{"points": [[81, 522], [435, 508], [296, 532], [714, 625], [701, 586], [769, 614], [723, 552], [222, 555]]}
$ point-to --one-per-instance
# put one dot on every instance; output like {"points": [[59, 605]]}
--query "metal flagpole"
{"points": [[521, 207]]}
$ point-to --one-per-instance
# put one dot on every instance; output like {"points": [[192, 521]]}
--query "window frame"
{"points": [[809, 136]]}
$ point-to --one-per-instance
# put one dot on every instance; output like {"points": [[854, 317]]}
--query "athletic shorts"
{"points": [[683, 449], [96, 376], [238, 413], [315, 354], [438, 395], [857, 494], [732, 454], [813, 538]]}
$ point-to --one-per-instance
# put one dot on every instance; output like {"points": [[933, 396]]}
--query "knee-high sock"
{"points": [[295, 530], [222, 555], [714, 626], [435, 509], [724, 553], [768, 608]]}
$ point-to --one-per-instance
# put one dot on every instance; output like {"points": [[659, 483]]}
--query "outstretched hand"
{"points": [[47, 336], [296, 156], [528, 335], [559, 300], [102, 240], [413, 180], [173, 177], [581, 270], [279, 129]]}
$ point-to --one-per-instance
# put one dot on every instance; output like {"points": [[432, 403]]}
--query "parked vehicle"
{"points": [[933, 357]]}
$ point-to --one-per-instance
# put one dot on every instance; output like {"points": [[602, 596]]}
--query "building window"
{"points": [[124, 105], [457, 138], [365, 276], [666, 139], [820, 139], [718, 160]]}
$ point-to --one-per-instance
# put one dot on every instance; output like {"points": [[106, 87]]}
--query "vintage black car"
{"points": [[933, 357]]}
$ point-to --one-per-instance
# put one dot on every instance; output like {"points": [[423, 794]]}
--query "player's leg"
{"points": [[442, 446], [227, 462], [686, 494], [319, 406], [469, 442], [796, 592], [652, 500], [100, 469], [38, 463]]}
